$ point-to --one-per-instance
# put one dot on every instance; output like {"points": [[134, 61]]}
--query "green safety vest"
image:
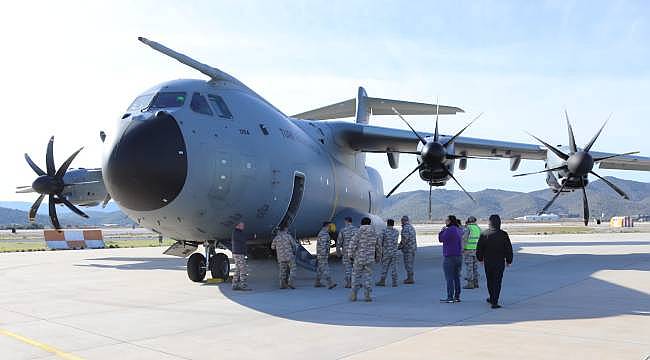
{"points": [[474, 234]]}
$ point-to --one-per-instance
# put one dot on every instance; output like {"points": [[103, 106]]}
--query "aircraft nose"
{"points": [[147, 166]]}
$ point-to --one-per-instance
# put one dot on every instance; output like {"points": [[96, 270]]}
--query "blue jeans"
{"points": [[452, 266]]}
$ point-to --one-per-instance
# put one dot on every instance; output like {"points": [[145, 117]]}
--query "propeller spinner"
{"points": [[578, 164], [51, 183], [434, 154]]}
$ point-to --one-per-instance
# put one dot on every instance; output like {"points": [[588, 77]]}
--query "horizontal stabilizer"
{"points": [[377, 106]]}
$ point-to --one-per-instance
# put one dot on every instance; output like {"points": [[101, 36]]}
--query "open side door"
{"points": [[304, 258]]}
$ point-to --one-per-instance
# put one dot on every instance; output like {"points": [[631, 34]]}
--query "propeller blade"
{"points": [[593, 139], [613, 156], [459, 185], [53, 218], [64, 167], [34, 167], [35, 206], [401, 182], [49, 158], [572, 139], [461, 131], [543, 171], [585, 203], [614, 187], [410, 127], [436, 134], [74, 209], [106, 200], [555, 150], [552, 200], [430, 187]]}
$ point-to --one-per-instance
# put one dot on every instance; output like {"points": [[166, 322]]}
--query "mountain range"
{"points": [[509, 204]]}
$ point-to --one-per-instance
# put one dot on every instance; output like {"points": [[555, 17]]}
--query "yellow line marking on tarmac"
{"points": [[40, 345]]}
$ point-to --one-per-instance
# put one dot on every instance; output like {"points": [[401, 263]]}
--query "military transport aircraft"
{"points": [[191, 158]]}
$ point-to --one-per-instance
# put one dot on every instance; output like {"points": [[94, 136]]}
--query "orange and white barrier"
{"points": [[621, 222], [74, 239]]}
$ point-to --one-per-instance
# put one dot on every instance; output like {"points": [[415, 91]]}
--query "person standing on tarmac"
{"points": [[283, 244], [451, 238], [389, 255], [322, 256], [238, 242], [364, 247], [494, 249], [470, 239], [343, 249], [408, 245]]}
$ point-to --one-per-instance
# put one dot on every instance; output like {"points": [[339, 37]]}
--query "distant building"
{"points": [[542, 217]]}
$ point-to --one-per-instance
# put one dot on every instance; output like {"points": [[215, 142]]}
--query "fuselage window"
{"points": [[220, 106], [166, 100], [140, 102], [200, 105]]}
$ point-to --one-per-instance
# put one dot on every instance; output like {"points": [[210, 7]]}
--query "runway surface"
{"points": [[567, 296]]}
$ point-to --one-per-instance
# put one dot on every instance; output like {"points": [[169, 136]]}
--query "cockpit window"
{"points": [[200, 105], [140, 103], [220, 106], [164, 100]]}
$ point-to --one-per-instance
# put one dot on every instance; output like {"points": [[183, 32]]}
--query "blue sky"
{"points": [[71, 68]]}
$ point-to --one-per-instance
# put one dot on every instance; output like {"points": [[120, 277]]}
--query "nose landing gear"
{"points": [[217, 263]]}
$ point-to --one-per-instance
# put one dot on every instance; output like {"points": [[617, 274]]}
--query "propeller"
{"points": [[577, 164], [434, 154], [50, 183]]}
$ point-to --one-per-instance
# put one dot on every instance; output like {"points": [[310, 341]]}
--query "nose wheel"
{"points": [[218, 264]]}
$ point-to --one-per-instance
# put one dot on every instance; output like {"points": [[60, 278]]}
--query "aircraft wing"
{"points": [[377, 106], [368, 138], [625, 162]]}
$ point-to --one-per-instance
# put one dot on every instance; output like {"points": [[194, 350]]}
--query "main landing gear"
{"points": [[217, 263]]}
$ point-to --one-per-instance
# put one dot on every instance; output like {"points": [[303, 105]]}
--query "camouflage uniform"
{"points": [[241, 272], [283, 244], [343, 247], [363, 248], [322, 255], [389, 254], [408, 246]]}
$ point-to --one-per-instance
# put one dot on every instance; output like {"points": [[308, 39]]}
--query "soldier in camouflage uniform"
{"points": [[322, 255], [389, 254], [343, 249], [408, 245], [363, 247], [283, 244]]}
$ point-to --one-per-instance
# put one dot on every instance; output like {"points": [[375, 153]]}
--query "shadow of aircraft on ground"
{"points": [[548, 281]]}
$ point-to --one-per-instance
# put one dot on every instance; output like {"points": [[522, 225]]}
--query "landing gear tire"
{"points": [[220, 266], [196, 267]]}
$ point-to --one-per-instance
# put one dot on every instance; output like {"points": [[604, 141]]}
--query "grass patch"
{"points": [[39, 245], [132, 243], [19, 246]]}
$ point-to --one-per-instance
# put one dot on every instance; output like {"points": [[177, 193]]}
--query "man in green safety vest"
{"points": [[470, 239]]}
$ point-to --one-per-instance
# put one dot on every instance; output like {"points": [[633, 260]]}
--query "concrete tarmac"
{"points": [[566, 296]]}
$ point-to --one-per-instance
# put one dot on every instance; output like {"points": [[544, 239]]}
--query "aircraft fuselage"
{"points": [[206, 155]]}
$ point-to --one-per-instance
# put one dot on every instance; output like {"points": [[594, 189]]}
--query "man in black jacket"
{"points": [[495, 251], [239, 281]]}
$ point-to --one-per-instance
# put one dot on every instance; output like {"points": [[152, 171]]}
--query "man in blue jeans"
{"points": [[451, 238]]}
